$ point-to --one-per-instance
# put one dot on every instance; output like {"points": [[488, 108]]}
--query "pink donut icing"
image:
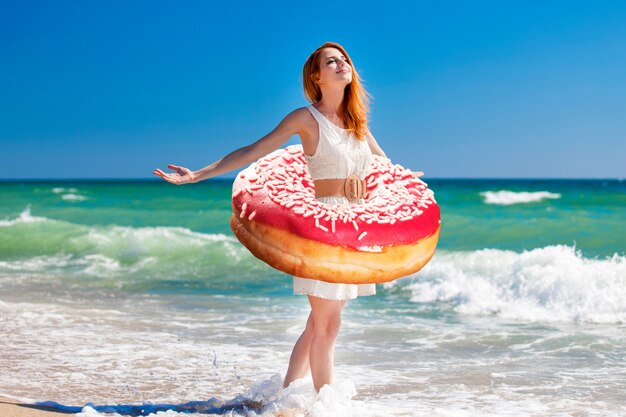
{"points": [[278, 190]]}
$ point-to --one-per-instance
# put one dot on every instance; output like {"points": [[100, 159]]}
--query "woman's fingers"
{"points": [[173, 177], [162, 174], [174, 167]]}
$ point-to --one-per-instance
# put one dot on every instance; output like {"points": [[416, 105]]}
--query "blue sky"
{"points": [[478, 89]]}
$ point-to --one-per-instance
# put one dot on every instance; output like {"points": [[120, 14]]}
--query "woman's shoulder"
{"points": [[303, 112], [301, 119]]}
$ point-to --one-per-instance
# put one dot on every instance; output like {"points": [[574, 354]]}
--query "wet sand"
{"points": [[14, 408]]}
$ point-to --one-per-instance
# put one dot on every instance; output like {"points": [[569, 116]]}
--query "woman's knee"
{"points": [[328, 329], [326, 316]]}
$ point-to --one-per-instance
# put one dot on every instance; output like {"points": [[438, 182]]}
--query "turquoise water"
{"points": [[588, 213], [141, 287]]}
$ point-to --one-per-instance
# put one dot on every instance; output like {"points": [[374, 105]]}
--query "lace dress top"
{"points": [[338, 155]]}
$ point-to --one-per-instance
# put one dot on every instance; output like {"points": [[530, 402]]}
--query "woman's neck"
{"points": [[331, 100]]}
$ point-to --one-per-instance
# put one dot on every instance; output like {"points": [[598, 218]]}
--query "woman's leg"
{"points": [[299, 361], [327, 320]]}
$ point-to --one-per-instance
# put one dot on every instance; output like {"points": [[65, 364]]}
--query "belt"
{"points": [[352, 188]]}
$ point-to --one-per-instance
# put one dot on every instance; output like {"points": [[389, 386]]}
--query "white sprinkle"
{"points": [[362, 235], [251, 216], [355, 225], [323, 228], [332, 224]]}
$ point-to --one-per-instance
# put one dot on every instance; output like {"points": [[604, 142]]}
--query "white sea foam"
{"points": [[135, 357], [24, 217], [300, 398], [96, 265], [73, 197], [554, 283], [506, 197], [139, 350], [58, 190]]}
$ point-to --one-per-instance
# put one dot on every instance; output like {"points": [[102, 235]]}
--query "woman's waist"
{"points": [[352, 187]]}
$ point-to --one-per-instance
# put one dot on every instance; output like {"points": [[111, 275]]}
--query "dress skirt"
{"points": [[329, 290]]}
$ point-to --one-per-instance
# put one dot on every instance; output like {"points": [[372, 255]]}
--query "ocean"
{"points": [[131, 292]]}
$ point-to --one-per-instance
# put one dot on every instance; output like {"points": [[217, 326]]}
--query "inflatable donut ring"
{"points": [[277, 217]]}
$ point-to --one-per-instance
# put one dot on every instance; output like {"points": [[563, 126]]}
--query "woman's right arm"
{"points": [[289, 126]]}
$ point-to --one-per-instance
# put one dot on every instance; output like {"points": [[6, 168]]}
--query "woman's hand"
{"points": [[181, 176], [417, 174]]}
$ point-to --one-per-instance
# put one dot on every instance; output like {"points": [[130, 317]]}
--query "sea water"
{"points": [[137, 293]]}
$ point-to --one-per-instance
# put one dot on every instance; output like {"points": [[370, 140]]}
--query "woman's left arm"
{"points": [[376, 149]]}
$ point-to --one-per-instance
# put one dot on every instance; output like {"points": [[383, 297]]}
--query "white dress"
{"points": [[338, 155]]}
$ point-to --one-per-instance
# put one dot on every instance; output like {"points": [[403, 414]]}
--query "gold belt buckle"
{"points": [[354, 188]]}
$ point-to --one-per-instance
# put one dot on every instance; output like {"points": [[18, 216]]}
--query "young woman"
{"points": [[337, 143]]}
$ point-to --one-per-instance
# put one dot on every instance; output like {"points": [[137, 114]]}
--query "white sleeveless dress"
{"points": [[338, 155]]}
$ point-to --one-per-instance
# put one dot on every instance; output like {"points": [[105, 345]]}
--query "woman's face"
{"points": [[334, 68]]}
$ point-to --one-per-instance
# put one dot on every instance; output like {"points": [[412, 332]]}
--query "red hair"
{"points": [[354, 108]]}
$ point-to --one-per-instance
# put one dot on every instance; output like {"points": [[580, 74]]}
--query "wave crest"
{"points": [[506, 197], [554, 283], [24, 217]]}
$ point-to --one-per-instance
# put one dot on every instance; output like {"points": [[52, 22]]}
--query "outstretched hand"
{"points": [[181, 176]]}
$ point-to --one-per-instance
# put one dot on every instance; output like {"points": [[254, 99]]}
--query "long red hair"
{"points": [[355, 105]]}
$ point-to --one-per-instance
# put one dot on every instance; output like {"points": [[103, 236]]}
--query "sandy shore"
{"points": [[13, 408]]}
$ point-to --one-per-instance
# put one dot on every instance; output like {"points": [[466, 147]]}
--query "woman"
{"points": [[337, 143]]}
